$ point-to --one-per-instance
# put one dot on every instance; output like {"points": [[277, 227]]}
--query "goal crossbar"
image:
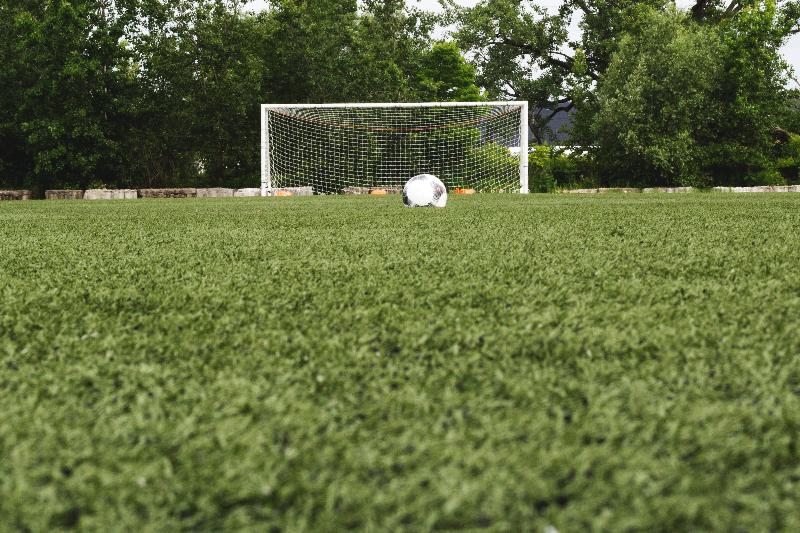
{"points": [[503, 103], [267, 163]]}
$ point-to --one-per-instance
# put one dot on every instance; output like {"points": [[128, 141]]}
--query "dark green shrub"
{"points": [[568, 170], [549, 169], [788, 159], [699, 180], [765, 176], [681, 100], [540, 177]]}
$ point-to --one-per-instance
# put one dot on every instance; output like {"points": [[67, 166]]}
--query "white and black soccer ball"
{"points": [[425, 190]]}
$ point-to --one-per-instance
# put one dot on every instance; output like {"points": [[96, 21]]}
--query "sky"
{"points": [[791, 51]]}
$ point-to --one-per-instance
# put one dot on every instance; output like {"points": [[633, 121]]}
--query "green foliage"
{"points": [[58, 111], [658, 84], [166, 93], [689, 104], [540, 175], [305, 42], [445, 75], [549, 169], [197, 120], [508, 363], [791, 120], [522, 51], [332, 51], [788, 159], [750, 99], [571, 170]]}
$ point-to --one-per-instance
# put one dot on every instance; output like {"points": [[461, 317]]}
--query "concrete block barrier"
{"points": [[369, 190], [63, 194], [253, 191], [668, 189], [762, 188], [299, 191], [356, 190], [623, 190], [167, 193], [23, 194], [214, 192], [110, 194]]}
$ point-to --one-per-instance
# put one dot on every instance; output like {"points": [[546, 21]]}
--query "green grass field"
{"points": [[509, 363]]}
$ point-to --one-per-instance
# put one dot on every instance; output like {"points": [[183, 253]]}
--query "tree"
{"points": [[650, 124], [444, 74], [523, 52], [791, 120], [390, 41], [13, 152], [202, 75], [691, 104], [309, 45], [64, 77], [749, 97], [159, 93], [338, 51]]}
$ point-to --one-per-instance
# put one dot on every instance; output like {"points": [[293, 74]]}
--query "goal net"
{"points": [[356, 148]]}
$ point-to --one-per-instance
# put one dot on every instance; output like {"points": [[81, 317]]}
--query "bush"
{"points": [[549, 169], [540, 177], [765, 177], [683, 101], [569, 170], [658, 84], [788, 159]]}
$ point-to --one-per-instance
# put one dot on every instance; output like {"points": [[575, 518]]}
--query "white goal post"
{"points": [[357, 148]]}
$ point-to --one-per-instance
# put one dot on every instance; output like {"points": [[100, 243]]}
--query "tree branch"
{"points": [[559, 109], [585, 8], [699, 9], [734, 7]]}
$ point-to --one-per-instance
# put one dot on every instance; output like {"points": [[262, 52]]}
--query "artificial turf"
{"points": [[509, 363]]}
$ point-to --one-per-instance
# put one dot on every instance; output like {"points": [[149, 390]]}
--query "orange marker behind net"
{"points": [[379, 192], [283, 193], [459, 190]]}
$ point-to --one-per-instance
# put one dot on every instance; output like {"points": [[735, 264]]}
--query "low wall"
{"points": [[368, 190], [222, 192], [15, 195], [668, 189], [214, 192], [298, 191], [167, 193], [63, 194], [253, 191], [110, 194], [764, 188], [761, 188]]}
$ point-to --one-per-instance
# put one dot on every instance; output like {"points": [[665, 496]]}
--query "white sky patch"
{"points": [[791, 50]]}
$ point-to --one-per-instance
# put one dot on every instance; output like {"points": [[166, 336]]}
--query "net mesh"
{"points": [[356, 149]]}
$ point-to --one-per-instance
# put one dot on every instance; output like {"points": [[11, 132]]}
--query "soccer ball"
{"points": [[425, 190]]}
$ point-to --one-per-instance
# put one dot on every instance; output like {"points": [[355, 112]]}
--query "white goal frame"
{"points": [[266, 166]]}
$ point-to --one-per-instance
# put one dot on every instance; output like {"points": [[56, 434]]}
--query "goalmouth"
{"points": [[351, 148]]}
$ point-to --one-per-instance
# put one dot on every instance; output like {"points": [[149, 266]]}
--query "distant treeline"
{"points": [[156, 93], [132, 93]]}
